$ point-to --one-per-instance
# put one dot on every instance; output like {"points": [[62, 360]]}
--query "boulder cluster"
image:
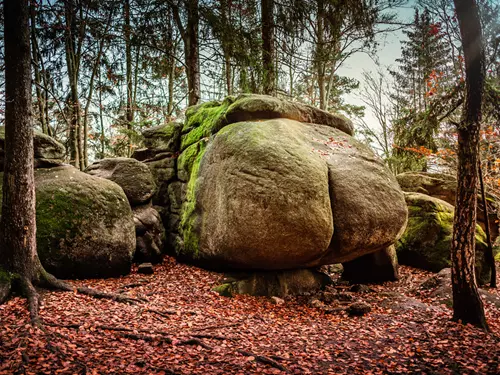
{"points": [[264, 188]]}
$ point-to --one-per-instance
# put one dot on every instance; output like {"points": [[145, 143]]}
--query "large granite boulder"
{"points": [[276, 193], [47, 151], [426, 243], [444, 186], [134, 177], [85, 227]]}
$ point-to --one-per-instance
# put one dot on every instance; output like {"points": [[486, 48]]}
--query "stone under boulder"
{"points": [[85, 227], [444, 186], [379, 266], [47, 151], [426, 243], [281, 194], [134, 177], [277, 283]]}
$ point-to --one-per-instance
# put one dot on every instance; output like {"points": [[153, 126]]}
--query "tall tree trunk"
{"points": [[490, 258], [268, 52], [467, 304], [18, 252], [20, 266], [192, 52], [189, 36], [74, 102], [102, 137], [35, 57], [129, 112]]}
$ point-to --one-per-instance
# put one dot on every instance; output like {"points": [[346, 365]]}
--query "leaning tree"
{"points": [[20, 267], [467, 304]]}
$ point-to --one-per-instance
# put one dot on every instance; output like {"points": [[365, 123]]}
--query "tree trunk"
{"points": [[18, 251], [192, 52], [191, 48], [269, 74], [129, 112], [74, 104], [467, 304], [490, 258], [35, 57]]}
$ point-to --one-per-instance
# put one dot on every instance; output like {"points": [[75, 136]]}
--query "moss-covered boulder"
{"points": [[280, 194], [426, 243], [444, 186], [134, 177], [85, 226]]}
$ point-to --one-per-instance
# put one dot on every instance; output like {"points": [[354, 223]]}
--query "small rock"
{"points": [[277, 301], [334, 310], [358, 309], [344, 297], [316, 303], [328, 297], [360, 288], [145, 268]]}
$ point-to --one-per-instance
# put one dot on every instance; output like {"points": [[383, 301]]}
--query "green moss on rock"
{"points": [[204, 120], [85, 226], [426, 242], [189, 219]]}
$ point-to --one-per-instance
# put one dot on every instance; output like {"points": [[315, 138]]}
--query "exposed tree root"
{"points": [[263, 359], [5, 289], [49, 281], [139, 336], [194, 341], [26, 286], [217, 326]]}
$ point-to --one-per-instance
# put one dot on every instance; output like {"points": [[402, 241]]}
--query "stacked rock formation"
{"points": [[255, 182], [137, 182]]}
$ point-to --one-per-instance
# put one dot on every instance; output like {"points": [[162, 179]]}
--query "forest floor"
{"points": [[186, 328]]}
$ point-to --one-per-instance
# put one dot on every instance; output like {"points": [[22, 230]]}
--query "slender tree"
{"points": [[18, 228], [189, 33], [268, 48], [20, 267], [467, 304]]}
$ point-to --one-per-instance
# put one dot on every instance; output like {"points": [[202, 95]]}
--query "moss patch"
{"points": [[225, 290], [204, 120], [426, 242], [189, 217]]}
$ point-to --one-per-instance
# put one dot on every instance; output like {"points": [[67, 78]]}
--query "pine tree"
{"points": [[424, 74]]}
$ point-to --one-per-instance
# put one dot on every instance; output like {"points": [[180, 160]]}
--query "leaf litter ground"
{"points": [[186, 328]]}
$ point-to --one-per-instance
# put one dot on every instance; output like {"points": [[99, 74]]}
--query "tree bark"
{"points": [[189, 36], [129, 112], [467, 304], [490, 258], [18, 204], [40, 97], [18, 226], [268, 52], [74, 102]]}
